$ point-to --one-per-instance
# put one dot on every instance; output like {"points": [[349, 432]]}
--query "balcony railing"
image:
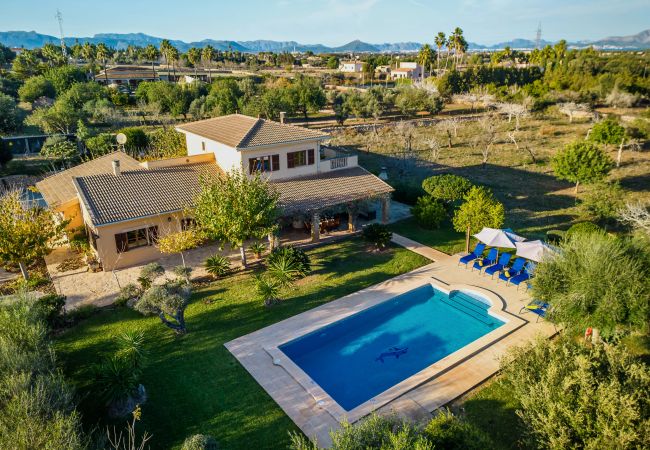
{"points": [[338, 163]]}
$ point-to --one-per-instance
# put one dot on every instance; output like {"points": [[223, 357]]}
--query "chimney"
{"points": [[282, 115], [116, 168]]}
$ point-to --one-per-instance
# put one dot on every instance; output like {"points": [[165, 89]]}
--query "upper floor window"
{"points": [[269, 163], [300, 158]]}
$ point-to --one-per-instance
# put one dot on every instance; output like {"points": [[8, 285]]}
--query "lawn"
{"points": [[194, 384], [445, 238]]}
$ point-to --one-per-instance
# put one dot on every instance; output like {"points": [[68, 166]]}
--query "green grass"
{"points": [[492, 409], [445, 239], [194, 384]]}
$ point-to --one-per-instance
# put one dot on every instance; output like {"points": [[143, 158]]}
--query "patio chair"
{"points": [[476, 253], [489, 260], [523, 276], [504, 259], [536, 307], [517, 267]]}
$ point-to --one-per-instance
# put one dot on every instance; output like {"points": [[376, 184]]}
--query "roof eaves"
{"points": [[84, 200], [314, 138]]}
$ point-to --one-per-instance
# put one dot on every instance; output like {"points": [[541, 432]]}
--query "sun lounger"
{"points": [[477, 253], [536, 307], [504, 259], [510, 272], [490, 259]]}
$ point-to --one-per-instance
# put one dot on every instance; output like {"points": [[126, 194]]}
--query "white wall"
{"points": [[282, 150], [227, 157]]}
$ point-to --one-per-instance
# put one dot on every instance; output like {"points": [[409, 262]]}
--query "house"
{"points": [[129, 76], [408, 70], [125, 206], [351, 66]]}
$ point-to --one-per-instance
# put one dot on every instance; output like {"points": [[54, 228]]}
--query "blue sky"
{"points": [[332, 22]]}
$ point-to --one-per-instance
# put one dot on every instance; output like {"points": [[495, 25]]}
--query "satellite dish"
{"points": [[121, 138]]}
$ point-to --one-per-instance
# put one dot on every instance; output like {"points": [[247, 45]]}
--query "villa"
{"points": [[351, 66], [125, 205], [408, 70], [130, 76]]}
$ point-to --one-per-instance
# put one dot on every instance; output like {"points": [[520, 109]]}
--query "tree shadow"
{"points": [[636, 183]]}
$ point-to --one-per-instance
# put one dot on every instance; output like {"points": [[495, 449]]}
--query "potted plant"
{"points": [[257, 248]]}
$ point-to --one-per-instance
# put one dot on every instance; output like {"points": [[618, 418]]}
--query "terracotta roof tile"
{"points": [[58, 188], [141, 193], [239, 131]]}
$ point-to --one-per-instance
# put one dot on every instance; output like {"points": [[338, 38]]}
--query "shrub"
{"points": [[268, 289], [257, 248], [217, 265], [200, 442], [100, 145], [36, 87], [136, 138], [555, 236], [51, 308], [607, 132], [128, 292], [9, 117], [582, 228], [429, 212], [377, 234], [581, 162], [602, 202], [182, 271], [293, 257], [577, 396], [167, 143], [406, 192], [58, 147], [447, 432], [447, 187], [149, 273], [597, 280]]}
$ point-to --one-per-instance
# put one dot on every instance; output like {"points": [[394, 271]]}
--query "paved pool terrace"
{"points": [[316, 413]]}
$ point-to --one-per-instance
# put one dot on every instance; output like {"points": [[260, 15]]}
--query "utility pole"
{"points": [[59, 17], [538, 38]]}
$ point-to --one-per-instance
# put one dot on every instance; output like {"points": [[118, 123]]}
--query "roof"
{"points": [[315, 192], [127, 72], [141, 193], [58, 189], [239, 131]]}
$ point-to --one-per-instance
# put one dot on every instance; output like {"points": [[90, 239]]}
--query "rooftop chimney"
{"points": [[282, 114], [116, 168]]}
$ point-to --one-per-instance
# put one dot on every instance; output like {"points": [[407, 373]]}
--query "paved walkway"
{"points": [[420, 249]]}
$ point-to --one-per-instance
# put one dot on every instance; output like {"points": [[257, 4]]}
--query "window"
{"points": [[203, 145], [301, 158], [188, 223], [269, 163], [142, 237]]}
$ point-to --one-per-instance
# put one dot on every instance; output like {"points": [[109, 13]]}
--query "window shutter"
{"points": [[153, 234], [275, 162], [310, 156], [290, 162], [251, 165], [121, 242]]}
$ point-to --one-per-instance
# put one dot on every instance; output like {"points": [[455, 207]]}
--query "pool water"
{"points": [[363, 355]]}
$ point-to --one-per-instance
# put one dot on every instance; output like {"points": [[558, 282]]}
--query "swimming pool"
{"points": [[363, 355]]}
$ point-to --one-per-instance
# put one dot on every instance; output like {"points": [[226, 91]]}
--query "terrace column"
{"points": [[385, 209], [315, 227], [273, 241], [352, 217]]}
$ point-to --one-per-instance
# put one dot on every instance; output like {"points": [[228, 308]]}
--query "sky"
{"points": [[332, 22]]}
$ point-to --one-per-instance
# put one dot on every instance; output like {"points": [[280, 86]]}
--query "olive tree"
{"points": [[447, 187], [581, 162], [573, 395], [167, 301], [233, 208], [479, 209], [27, 232]]}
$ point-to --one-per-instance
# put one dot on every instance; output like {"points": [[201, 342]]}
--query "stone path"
{"points": [[420, 249]]}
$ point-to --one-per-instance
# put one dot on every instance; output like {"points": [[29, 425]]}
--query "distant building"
{"points": [[408, 70], [126, 75], [17, 50], [351, 66]]}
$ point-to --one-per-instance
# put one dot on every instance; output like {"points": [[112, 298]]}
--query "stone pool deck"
{"points": [[312, 409]]}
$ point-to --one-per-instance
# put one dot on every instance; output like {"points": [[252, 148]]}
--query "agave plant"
{"points": [[217, 265], [285, 270], [257, 248]]}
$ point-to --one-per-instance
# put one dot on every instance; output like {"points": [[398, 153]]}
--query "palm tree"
{"points": [[425, 58], [165, 45], [193, 57], [440, 41], [173, 56], [88, 52], [151, 54], [455, 38], [102, 54], [207, 54]]}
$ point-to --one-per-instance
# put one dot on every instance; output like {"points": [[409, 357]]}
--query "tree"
{"points": [[308, 94], [179, 242], [441, 41], [193, 57], [8, 113], [233, 208], [26, 65], [425, 58], [152, 54], [602, 202], [429, 212], [581, 162], [167, 301], [36, 87], [333, 62], [597, 281], [479, 209], [447, 187], [5, 154], [570, 109], [27, 232], [62, 78], [377, 234], [103, 53], [573, 395], [207, 55], [636, 215], [609, 132]]}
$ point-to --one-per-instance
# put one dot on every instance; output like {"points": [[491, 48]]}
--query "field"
{"points": [[193, 383]]}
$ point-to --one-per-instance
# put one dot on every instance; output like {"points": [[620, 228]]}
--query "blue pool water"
{"points": [[422, 326]]}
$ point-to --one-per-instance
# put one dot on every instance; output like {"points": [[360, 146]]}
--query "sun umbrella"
{"points": [[534, 250], [495, 237]]}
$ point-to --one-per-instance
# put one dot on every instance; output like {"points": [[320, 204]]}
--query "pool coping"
{"points": [[326, 402]]}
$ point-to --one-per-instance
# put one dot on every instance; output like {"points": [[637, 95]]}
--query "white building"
{"points": [[408, 70], [351, 66]]}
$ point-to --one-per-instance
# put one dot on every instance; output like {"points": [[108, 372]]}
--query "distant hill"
{"points": [[32, 39]]}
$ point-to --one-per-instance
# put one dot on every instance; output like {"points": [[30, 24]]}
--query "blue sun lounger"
{"points": [[489, 260], [536, 307], [478, 251], [511, 272], [504, 259], [523, 276]]}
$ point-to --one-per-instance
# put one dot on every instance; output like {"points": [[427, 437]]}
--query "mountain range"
{"points": [[32, 39]]}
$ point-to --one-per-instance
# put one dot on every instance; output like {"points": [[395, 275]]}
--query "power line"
{"points": [[538, 38], [59, 17]]}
